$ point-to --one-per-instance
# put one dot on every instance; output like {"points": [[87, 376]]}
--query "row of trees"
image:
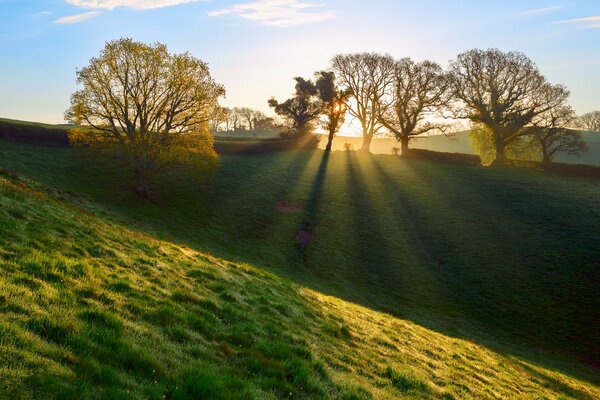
{"points": [[155, 108], [235, 119], [510, 104], [589, 121]]}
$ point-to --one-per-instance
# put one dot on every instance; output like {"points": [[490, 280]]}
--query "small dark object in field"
{"points": [[348, 146], [286, 207], [395, 151], [10, 174], [304, 237]]}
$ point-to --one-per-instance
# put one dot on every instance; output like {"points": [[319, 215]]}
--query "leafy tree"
{"points": [[521, 148], [589, 121], [504, 92], [333, 104], [551, 133], [368, 78], [301, 110], [151, 106], [420, 90]]}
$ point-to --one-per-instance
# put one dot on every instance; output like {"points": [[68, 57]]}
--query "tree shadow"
{"points": [[503, 298]]}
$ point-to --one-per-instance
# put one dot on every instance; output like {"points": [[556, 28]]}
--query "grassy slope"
{"points": [[34, 124], [381, 239]]}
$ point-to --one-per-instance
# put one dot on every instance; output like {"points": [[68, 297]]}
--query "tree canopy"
{"points": [[301, 110]]}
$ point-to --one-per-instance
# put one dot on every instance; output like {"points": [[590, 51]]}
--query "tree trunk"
{"points": [[546, 159], [500, 156], [404, 146], [329, 141], [141, 188], [366, 145]]}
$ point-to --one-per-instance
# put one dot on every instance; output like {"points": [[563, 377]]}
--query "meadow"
{"points": [[419, 279]]}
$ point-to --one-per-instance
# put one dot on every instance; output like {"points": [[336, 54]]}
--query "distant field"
{"points": [[461, 143]]}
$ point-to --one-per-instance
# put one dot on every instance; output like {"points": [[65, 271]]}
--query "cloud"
{"points": [[280, 13], [540, 11], [592, 22], [137, 4], [77, 18]]}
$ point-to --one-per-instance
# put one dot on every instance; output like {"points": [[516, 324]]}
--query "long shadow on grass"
{"points": [[544, 274], [484, 282]]}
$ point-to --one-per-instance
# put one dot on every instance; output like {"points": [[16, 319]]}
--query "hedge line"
{"points": [[34, 134]]}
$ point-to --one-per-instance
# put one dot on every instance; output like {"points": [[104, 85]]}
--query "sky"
{"points": [[256, 47]]}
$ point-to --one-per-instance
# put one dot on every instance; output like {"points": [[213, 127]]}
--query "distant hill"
{"points": [[35, 124], [459, 143]]}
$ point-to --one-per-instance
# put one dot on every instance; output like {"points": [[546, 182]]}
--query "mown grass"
{"points": [[491, 276]]}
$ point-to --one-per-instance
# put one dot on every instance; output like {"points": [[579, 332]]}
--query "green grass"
{"points": [[487, 280]]}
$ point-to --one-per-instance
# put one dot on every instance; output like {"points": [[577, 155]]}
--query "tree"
{"points": [[589, 121], [236, 118], [502, 91], [247, 114], [152, 106], [419, 91], [219, 117], [368, 77], [333, 104], [551, 133], [300, 110]]}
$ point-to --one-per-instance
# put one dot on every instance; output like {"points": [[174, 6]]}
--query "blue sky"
{"points": [[255, 47]]}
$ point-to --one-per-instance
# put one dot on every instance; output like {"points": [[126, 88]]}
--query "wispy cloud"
{"points": [[540, 11], [280, 13], [592, 22], [112, 4], [137, 4], [77, 18]]}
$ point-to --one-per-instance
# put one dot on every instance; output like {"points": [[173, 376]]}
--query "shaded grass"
{"points": [[485, 255]]}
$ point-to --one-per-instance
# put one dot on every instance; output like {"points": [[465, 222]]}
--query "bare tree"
{"points": [[235, 119], [550, 131], [257, 116], [248, 115], [219, 117], [419, 92], [368, 77], [589, 121], [502, 91], [150, 105]]}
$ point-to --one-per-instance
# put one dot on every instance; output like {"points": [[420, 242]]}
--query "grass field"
{"points": [[422, 279]]}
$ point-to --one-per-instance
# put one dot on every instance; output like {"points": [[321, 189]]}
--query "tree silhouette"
{"points": [[419, 91], [333, 104], [301, 110], [368, 78]]}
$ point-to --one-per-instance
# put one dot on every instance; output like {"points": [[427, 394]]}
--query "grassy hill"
{"points": [[421, 280]]}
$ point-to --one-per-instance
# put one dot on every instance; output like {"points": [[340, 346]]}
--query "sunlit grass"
{"points": [[94, 309]]}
